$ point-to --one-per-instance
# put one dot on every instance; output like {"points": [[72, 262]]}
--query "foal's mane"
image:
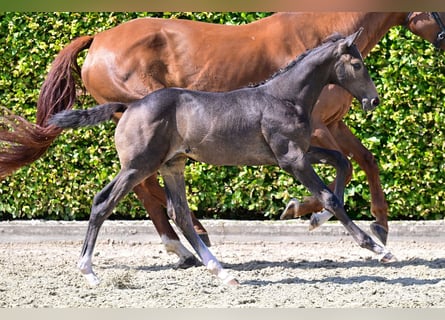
{"points": [[327, 41]]}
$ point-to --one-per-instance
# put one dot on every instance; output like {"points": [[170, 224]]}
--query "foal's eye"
{"points": [[356, 66]]}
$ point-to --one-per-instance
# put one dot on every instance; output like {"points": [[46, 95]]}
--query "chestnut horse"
{"points": [[135, 58], [266, 124]]}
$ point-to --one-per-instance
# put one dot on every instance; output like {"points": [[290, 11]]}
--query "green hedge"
{"points": [[405, 133]]}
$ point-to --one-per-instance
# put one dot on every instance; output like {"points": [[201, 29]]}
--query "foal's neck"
{"points": [[302, 84]]}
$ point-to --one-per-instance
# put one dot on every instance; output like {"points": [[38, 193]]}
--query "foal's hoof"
{"points": [[291, 209], [232, 282], [314, 222], [188, 263], [205, 238], [92, 279], [388, 258], [380, 232]]}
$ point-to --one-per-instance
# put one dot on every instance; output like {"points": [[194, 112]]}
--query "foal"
{"points": [[266, 124]]}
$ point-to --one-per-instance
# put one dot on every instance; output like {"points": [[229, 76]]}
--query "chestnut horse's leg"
{"points": [[365, 159]]}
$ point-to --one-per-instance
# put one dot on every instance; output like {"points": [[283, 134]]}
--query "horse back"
{"points": [[127, 62]]}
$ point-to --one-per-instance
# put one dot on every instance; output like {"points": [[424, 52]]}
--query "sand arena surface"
{"points": [[321, 272]]}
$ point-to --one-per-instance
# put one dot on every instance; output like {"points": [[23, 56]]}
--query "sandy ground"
{"points": [[325, 273]]}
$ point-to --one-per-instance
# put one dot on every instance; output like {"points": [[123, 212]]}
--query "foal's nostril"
{"points": [[375, 102]]}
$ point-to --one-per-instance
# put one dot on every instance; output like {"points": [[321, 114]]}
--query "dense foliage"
{"points": [[406, 133]]}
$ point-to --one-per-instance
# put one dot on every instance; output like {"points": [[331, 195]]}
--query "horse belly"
{"points": [[233, 154]]}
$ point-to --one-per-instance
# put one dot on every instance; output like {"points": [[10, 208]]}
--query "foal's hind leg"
{"points": [[160, 220], [152, 196], [179, 212], [103, 205]]}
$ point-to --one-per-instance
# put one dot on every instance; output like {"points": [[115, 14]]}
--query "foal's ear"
{"points": [[350, 40]]}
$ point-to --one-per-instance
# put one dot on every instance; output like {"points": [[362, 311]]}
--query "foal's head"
{"points": [[351, 73]]}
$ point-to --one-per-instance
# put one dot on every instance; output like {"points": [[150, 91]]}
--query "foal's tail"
{"points": [[22, 142], [89, 117]]}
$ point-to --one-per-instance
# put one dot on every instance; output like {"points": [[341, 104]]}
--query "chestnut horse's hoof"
{"points": [[291, 209], [380, 232], [188, 263], [205, 238]]}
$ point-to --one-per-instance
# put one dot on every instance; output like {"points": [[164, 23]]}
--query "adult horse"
{"points": [[127, 62], [267, 124]]}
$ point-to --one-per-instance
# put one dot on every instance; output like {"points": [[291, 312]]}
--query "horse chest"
{"points": [[288, 120]]}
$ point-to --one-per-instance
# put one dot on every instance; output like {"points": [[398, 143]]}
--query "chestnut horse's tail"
{"points": [[22, 142]]}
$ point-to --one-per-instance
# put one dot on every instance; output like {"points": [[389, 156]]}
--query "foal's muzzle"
{"points": [[370, 104]]}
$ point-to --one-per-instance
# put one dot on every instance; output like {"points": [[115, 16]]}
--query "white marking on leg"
{"points": [[215, 268], [176, 247], [318, 218], [86, 269], [386, 256], [291, 209]]}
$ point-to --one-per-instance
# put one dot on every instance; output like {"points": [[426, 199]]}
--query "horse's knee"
{"points": [[369, 162], [330, 202]]}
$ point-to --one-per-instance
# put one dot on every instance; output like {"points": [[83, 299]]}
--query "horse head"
{"points": [[352, 73], [428, 25]]}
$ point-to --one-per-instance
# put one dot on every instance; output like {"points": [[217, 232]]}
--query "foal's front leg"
{"points": [[316, 155], [179, 212], [296, 162], [310, 179], [343, 167]]}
